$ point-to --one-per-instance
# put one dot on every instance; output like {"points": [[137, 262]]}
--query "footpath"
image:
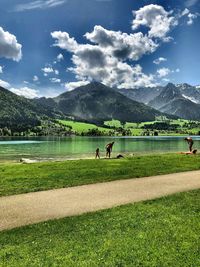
{"points": [[25, 209]]}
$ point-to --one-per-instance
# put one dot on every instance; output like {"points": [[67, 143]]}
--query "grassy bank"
{"points": [[23, 178], [163, 232]]}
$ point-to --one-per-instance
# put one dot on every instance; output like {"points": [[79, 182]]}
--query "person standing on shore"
{"points": [[97, 154], [109, 149], [190, 143]]}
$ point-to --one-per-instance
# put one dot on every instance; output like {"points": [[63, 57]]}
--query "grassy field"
{"points": [[23, 178], [162, 232], [80, 127]]}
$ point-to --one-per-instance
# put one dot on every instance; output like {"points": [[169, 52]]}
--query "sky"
{"points": [[51, 46]]}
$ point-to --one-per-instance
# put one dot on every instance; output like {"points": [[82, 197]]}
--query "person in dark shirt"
{"points": [[190, 143], [109, 149], [97, 153]]}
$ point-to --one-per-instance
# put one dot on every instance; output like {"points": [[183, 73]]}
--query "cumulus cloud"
{"points": [[35, 78], [109, 56], [191, 18], [156, 18], [4, 84], [56, 72], [159, 60], [25, 92], [72, 85], [38, 4], [64, 41], [47, 70], [163, 72], [9, 47], [122, 45], [60, 57], [1, 69], [103, 60], [55, 80]]}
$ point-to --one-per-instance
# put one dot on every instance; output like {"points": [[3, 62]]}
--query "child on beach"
{"points": [[97, 153]]}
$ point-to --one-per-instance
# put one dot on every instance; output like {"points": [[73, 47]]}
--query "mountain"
{"points": [[168, 94], [143, 94], [96, 102], [20, 113], [176, 100], [190, 92]]}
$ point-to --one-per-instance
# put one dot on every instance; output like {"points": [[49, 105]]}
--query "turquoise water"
{"points": [[84, 147]]}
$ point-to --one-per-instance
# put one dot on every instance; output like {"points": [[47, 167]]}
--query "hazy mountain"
{"points": [[190, 92], [183, 108], [177, 100], [168, 94], [97, 102], [143, 94]]}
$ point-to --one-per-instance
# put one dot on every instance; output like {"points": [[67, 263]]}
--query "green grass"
{"points": [[162, 232], [23, 178], [82, 126]]}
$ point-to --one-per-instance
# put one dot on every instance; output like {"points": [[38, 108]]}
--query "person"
{"points": [[193, 152], [190, 143], [97, 153], [109, 149]]}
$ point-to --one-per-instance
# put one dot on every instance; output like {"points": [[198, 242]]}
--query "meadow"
{"points": [[17, 178], [162, 232]]}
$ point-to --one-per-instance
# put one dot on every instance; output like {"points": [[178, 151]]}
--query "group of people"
{"points": [[109, 147]]}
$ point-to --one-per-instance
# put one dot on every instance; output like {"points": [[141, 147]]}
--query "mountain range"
{"points": [[182, 100], [97, 103]]}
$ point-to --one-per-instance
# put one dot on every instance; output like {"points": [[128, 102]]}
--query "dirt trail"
{"points": [[24, 209]]}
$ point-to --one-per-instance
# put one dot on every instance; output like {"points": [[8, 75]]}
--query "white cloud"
{"points": [[56, 72], [47, 70], [25, 92], [60, 57], [109, 55], [72, 85], [35, 78], [64, 41], [9, 47], [1, 69], [191, 18], [39, 4], [4, 84], [156, 18], [163, 72], [55, 80], [159, 60], [122, 45]]}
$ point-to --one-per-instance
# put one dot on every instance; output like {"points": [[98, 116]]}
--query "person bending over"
{"points": [[109, 149], [190, 143]]}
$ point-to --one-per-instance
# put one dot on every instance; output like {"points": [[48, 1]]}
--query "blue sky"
{"points": [[44, 48]]}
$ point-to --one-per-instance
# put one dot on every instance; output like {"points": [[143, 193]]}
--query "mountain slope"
{"points": [[143, 95], [97, 102], [172, 101], [18, 112], [168, 94], [183, 108]]}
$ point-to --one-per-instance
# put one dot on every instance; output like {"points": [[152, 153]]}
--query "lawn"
{"points": [[80, 127], [23, 178], [162, 232]]}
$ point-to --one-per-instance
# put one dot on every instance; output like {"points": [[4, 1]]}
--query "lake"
{"points": [[51, 148]]}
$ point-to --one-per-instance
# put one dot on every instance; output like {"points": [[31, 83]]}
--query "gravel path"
{"points": [[24, 209]]}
